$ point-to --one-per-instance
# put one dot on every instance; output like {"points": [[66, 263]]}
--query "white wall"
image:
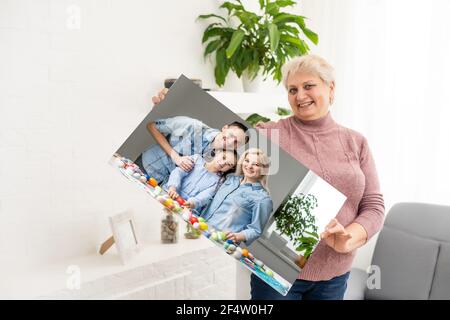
{"points": [[68, 99]]}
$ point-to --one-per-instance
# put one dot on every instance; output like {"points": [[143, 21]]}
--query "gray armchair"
{"points": [[413, 254]]}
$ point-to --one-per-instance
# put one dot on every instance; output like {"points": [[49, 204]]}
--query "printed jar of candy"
{"points": [[191, 233], [169, 228]]}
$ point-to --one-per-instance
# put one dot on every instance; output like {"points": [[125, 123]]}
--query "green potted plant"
{"points": [[259, 44], [294, 218]]}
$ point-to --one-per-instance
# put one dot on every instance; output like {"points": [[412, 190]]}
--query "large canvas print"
{"points": [[229, 182]]}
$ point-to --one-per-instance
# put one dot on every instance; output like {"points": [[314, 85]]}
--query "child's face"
{"points": [[224, 161]]}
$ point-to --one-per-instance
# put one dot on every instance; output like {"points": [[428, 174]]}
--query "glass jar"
{"points": [[191, 232], [169, 228]]}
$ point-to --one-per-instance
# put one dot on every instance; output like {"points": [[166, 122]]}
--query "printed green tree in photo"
{"points": [[294, 218]]}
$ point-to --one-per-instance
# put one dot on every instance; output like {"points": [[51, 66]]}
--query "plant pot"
{"points": [[251, 85], [301, 261]]}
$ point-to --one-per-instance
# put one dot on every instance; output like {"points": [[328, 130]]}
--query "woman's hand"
{"points": [[337, 237], [172, 192], [236, 237], [160, 96], [185, 163]]}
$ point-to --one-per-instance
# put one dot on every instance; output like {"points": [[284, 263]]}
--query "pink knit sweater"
{"points": [[341, 157]]}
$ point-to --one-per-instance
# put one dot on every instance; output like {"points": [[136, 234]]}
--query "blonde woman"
{"points": [[340, 156], [242, 204]]}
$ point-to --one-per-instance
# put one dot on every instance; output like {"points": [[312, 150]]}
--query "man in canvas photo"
{"points": [[180, 137]]}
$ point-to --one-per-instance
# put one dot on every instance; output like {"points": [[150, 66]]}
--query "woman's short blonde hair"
{"points": [[310, 63], [263, 159]]}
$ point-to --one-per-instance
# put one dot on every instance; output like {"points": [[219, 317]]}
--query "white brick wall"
{"points": [[188, 276], [68, 99]]}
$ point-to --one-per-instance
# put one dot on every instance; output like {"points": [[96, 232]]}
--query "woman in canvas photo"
{"points": [[242, 205]]}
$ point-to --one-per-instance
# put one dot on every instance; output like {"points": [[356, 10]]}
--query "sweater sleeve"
{"points": [[371, 207]]}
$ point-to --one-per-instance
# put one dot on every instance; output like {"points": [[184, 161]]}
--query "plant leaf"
{"points": [[310, 35], [254, 118], [212, 46], [283, 111], [299, 43], [285, 3], [274, 36], [283, 18], [222, 67], [272, 8], [211, 31], [206, 16], [261, 4], [236, 40], [231, 6]]}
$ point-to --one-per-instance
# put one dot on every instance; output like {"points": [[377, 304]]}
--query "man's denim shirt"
{"points": [[187, 136]]}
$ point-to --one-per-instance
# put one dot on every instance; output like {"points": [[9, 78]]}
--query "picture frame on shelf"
{"points": [[125, 236]]}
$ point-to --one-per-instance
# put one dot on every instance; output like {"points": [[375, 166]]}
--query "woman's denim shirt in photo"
{"points": [[240, 207], [187, 136]]}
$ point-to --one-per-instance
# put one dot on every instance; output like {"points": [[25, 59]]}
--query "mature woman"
{"points": [[242, 205], [340, 156]]}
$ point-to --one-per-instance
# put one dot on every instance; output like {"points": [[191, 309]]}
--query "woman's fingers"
{"points": [[331, 224], [160, 96], [156, 100]]}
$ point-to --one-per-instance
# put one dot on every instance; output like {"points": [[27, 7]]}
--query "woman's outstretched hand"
{"points": [[160, 96], [337, 237]]}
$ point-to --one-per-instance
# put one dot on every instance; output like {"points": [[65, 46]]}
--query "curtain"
{"points": [[392, 69]]}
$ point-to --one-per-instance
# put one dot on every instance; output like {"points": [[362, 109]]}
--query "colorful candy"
{"points": [[136, 175], [245, 252], [237, 254], [153, 182], [193, 220], [231, 248], [157, 190], [168, 202], [269, 272], [196, 225], [180, 200], [203, 226]]}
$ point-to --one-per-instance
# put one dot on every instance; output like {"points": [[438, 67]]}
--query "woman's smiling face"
{"points": [[309, 96], [252, 167]]}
